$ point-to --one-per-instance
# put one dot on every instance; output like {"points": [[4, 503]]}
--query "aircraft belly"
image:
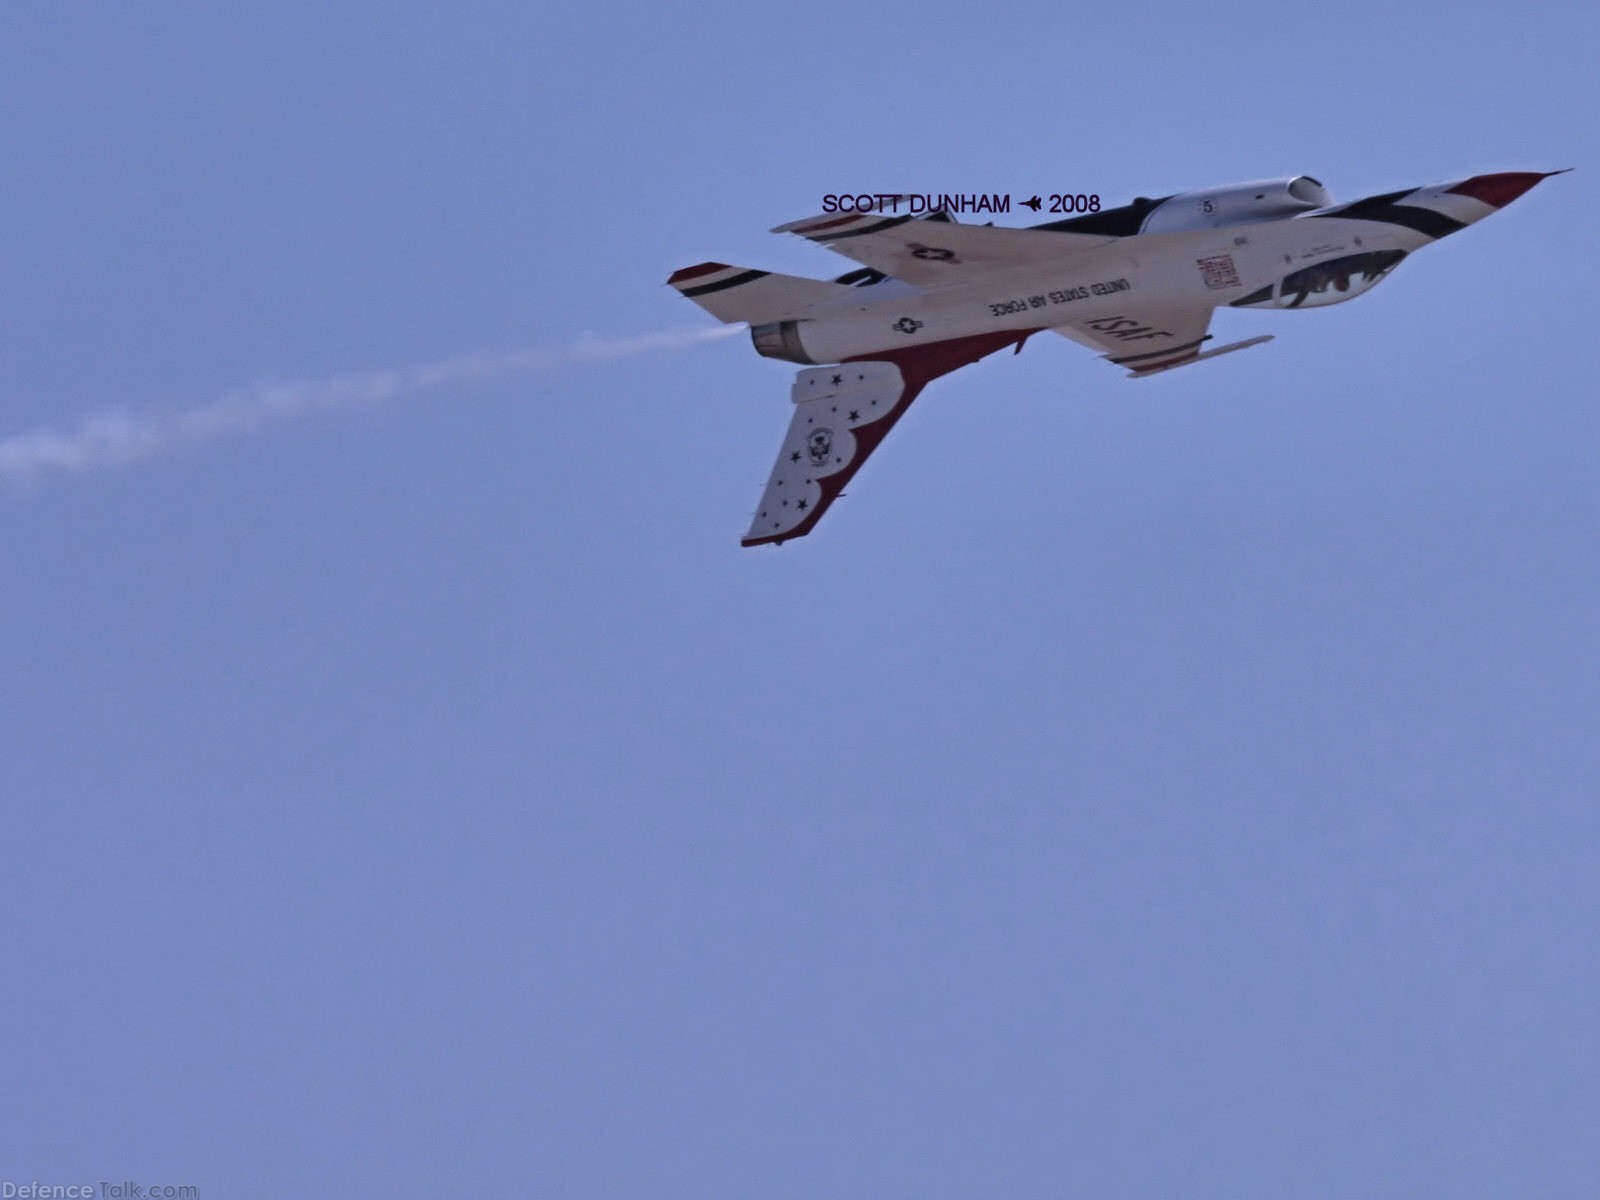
{"points": [[1190, 269], [1010, 302]]}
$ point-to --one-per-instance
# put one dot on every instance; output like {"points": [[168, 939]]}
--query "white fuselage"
{"points": [[1157, 270]]}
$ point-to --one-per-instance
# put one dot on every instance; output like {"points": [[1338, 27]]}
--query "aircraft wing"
{"points": [[841, 415], [1143, 337], [930, 251]]}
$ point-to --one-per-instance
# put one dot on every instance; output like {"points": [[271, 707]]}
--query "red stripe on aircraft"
{"points": [[1497, 191], [696, 271]]}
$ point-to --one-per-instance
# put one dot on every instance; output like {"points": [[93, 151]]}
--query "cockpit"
{"points": [[1331, 282]]}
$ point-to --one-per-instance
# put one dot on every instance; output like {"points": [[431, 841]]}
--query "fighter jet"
{"points": [[1137, 284]]}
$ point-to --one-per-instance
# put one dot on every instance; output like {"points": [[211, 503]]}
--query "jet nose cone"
{"points": [[1497, 191]]}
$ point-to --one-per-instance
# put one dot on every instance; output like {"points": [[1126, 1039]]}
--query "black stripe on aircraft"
{"points": [[1382, 201], [1260, 296], [862, 277], [731, 281], [1383, 208], [1109, 222]]}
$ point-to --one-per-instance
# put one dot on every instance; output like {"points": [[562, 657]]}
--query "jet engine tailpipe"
{"points": [[780, 339]]}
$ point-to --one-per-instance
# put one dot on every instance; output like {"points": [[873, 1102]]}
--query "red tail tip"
{"points": [[1497, 191]]}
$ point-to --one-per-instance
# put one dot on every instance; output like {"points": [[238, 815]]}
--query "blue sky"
{"points": [[1174, 788]]}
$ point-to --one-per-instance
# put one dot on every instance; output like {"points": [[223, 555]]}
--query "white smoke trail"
{"points": [[114, 437]]}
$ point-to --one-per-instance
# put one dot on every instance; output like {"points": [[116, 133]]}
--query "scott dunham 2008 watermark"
{"points": [[104, 1189], [926, 203]]}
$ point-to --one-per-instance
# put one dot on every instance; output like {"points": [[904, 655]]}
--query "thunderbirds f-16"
{"points": [[1137, 283]]}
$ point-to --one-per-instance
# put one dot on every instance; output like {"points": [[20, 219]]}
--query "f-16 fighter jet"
{"points": [[1137, 284]]}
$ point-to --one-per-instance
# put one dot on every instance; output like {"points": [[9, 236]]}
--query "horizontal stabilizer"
{"points": [[840, 416], [735, 294]]}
